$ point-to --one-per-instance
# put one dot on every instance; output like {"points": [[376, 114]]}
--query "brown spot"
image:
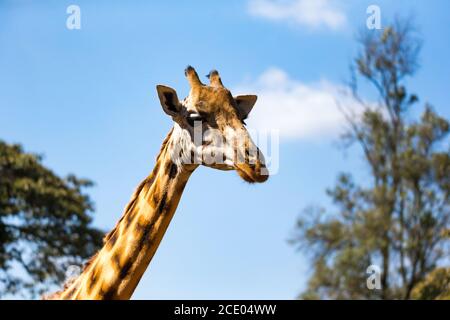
{"points": [[70, 293], [162, 203], [112, 240], [89, 262], [90, 287], [130, 218], [125, 269], [109, 294], [172, 169], [138, 227], [116, 259], [154, 201], [192, 156], [92, 281], [94, 277]]}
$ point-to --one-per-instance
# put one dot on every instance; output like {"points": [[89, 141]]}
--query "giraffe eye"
{"points": [[193, 117]]}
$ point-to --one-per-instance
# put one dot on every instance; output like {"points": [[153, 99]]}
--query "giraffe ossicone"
{"points": [[208, 130]]}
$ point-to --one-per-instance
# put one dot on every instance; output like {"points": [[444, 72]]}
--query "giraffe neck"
{"points": [[115, 271]]}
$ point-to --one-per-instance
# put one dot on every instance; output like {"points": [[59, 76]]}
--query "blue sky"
{"points": [[86, 99]]}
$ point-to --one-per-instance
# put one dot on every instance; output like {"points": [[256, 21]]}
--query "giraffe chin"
{"points": [[252, 174]]}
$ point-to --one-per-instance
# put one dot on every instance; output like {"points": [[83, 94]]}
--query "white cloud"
{"points": [[308, 13], [296, 109]]}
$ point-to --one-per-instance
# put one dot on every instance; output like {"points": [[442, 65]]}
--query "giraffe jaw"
{"points": [[252, 173]]}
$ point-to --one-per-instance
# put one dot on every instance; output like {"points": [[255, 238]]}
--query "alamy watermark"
{"points": [[73, 21], [228, 148], [374, 19], [373, 281]]}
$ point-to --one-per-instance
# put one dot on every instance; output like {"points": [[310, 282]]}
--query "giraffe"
{"points": [[208, 110]]}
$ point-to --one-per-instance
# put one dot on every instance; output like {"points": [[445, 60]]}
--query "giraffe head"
{"points": [[210, 130]]}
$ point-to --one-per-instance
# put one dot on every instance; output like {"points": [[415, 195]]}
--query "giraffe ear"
{"points": [[245, 104], [169, 100]]}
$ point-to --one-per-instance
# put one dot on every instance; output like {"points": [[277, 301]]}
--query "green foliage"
{"points": [[44, 223], [436, 286], [399, 217]]}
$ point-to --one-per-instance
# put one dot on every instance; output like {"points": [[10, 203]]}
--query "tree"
{"points": [[44, 223], [436, 286], [398, 218]]}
